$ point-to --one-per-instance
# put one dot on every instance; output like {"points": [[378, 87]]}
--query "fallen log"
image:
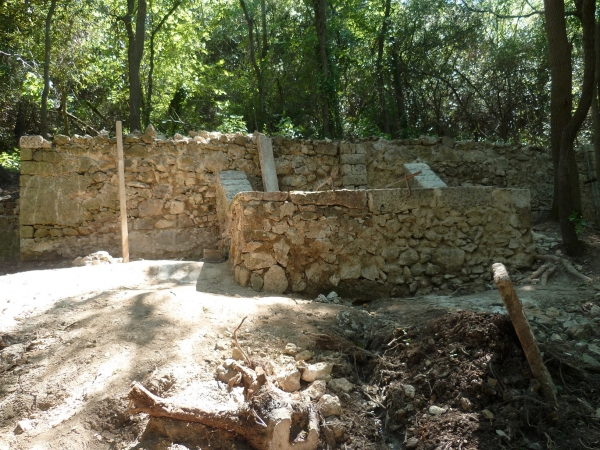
{"points": [[526, 337], [265, 420]]}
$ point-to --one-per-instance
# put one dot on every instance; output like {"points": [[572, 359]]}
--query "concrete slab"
{"points": [[267, 164]]}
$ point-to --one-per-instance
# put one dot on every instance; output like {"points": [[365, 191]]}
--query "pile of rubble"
{"points": [[96, 259]]}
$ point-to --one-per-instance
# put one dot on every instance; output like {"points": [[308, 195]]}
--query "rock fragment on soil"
{"points": [[304, 355], [291, 349], [329, 405], [436, 410], [289, 380], [465, 404], [340, 385], [96, 259], [592, 362], [318, 371], [409, 391], [316, 390], [412, 443]]}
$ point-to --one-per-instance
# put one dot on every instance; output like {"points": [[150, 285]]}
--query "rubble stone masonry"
{"points": [[69, 188]]}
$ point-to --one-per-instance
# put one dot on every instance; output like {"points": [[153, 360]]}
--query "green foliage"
{"points": [[445, 69], [578, 222], [286, 128], [11, 160]]}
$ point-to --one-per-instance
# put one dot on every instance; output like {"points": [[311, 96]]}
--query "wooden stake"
{"points": [[122, 196], [521, 324]]}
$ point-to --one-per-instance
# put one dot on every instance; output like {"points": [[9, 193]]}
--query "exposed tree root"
{"points": [[567, 265]]}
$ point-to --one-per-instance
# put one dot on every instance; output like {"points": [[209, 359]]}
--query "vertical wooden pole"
{"points": [[122, 196], [521, 324]]}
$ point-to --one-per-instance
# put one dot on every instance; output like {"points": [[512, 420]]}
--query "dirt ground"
{"points": [[73, 339]]}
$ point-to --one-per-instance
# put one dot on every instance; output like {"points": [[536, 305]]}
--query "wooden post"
{"points": [[521, 324], [122, 193]]}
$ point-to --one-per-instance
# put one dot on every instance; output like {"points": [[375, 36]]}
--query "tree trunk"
{"points": [[385, 122], [399, 91], [63, 110], [596, 116], [45, 92], [587, 9], [259, 121], [559, 52], [148, 106], [135, 51], [325, 85]]}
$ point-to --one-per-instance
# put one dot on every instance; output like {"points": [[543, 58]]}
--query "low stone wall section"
{"points": [[379, 241], [9, 228]]}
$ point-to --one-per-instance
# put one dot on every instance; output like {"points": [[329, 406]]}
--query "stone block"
{"points": [[26, 154], [46, 200], [37, 168], [354, 180], [267, 164], [31, 142], [353, 159], [327, 148], [151, 207], [26, 232], [61, 139], [356, 170], [258, 260], [275, 280], [347, 198], [427, 179]]}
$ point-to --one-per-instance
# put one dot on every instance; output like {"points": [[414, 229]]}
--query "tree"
{"points": [[379, 68], [155, 30], [135, 52], [47, 44], [561, 121]]}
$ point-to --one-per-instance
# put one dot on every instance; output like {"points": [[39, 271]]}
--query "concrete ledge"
{"points": [[347, 198]]}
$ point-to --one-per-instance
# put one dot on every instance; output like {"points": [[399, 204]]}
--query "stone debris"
{"points": [[436, 410], [318, 371], [409, 391], [316, 390], [340, 385], [329, 405], [291, 349], [289, 380], [24, 426], [304, 355], [96, 259]]}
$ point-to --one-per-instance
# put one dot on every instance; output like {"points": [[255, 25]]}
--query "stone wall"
{"points": [[69, 186], [366, 241], [377, 164], [69, 192], [9, 228]]}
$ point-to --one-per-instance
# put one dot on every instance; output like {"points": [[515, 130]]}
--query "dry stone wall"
{"points": [[69, 186], [9, 227], [360, 242], [69, 192]]}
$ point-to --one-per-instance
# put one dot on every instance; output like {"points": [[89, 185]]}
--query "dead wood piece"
{"points": [[521, 324], [547, 274], [237, 344], [537, 273], [340, 344], [265, 422], [567, 265]]}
